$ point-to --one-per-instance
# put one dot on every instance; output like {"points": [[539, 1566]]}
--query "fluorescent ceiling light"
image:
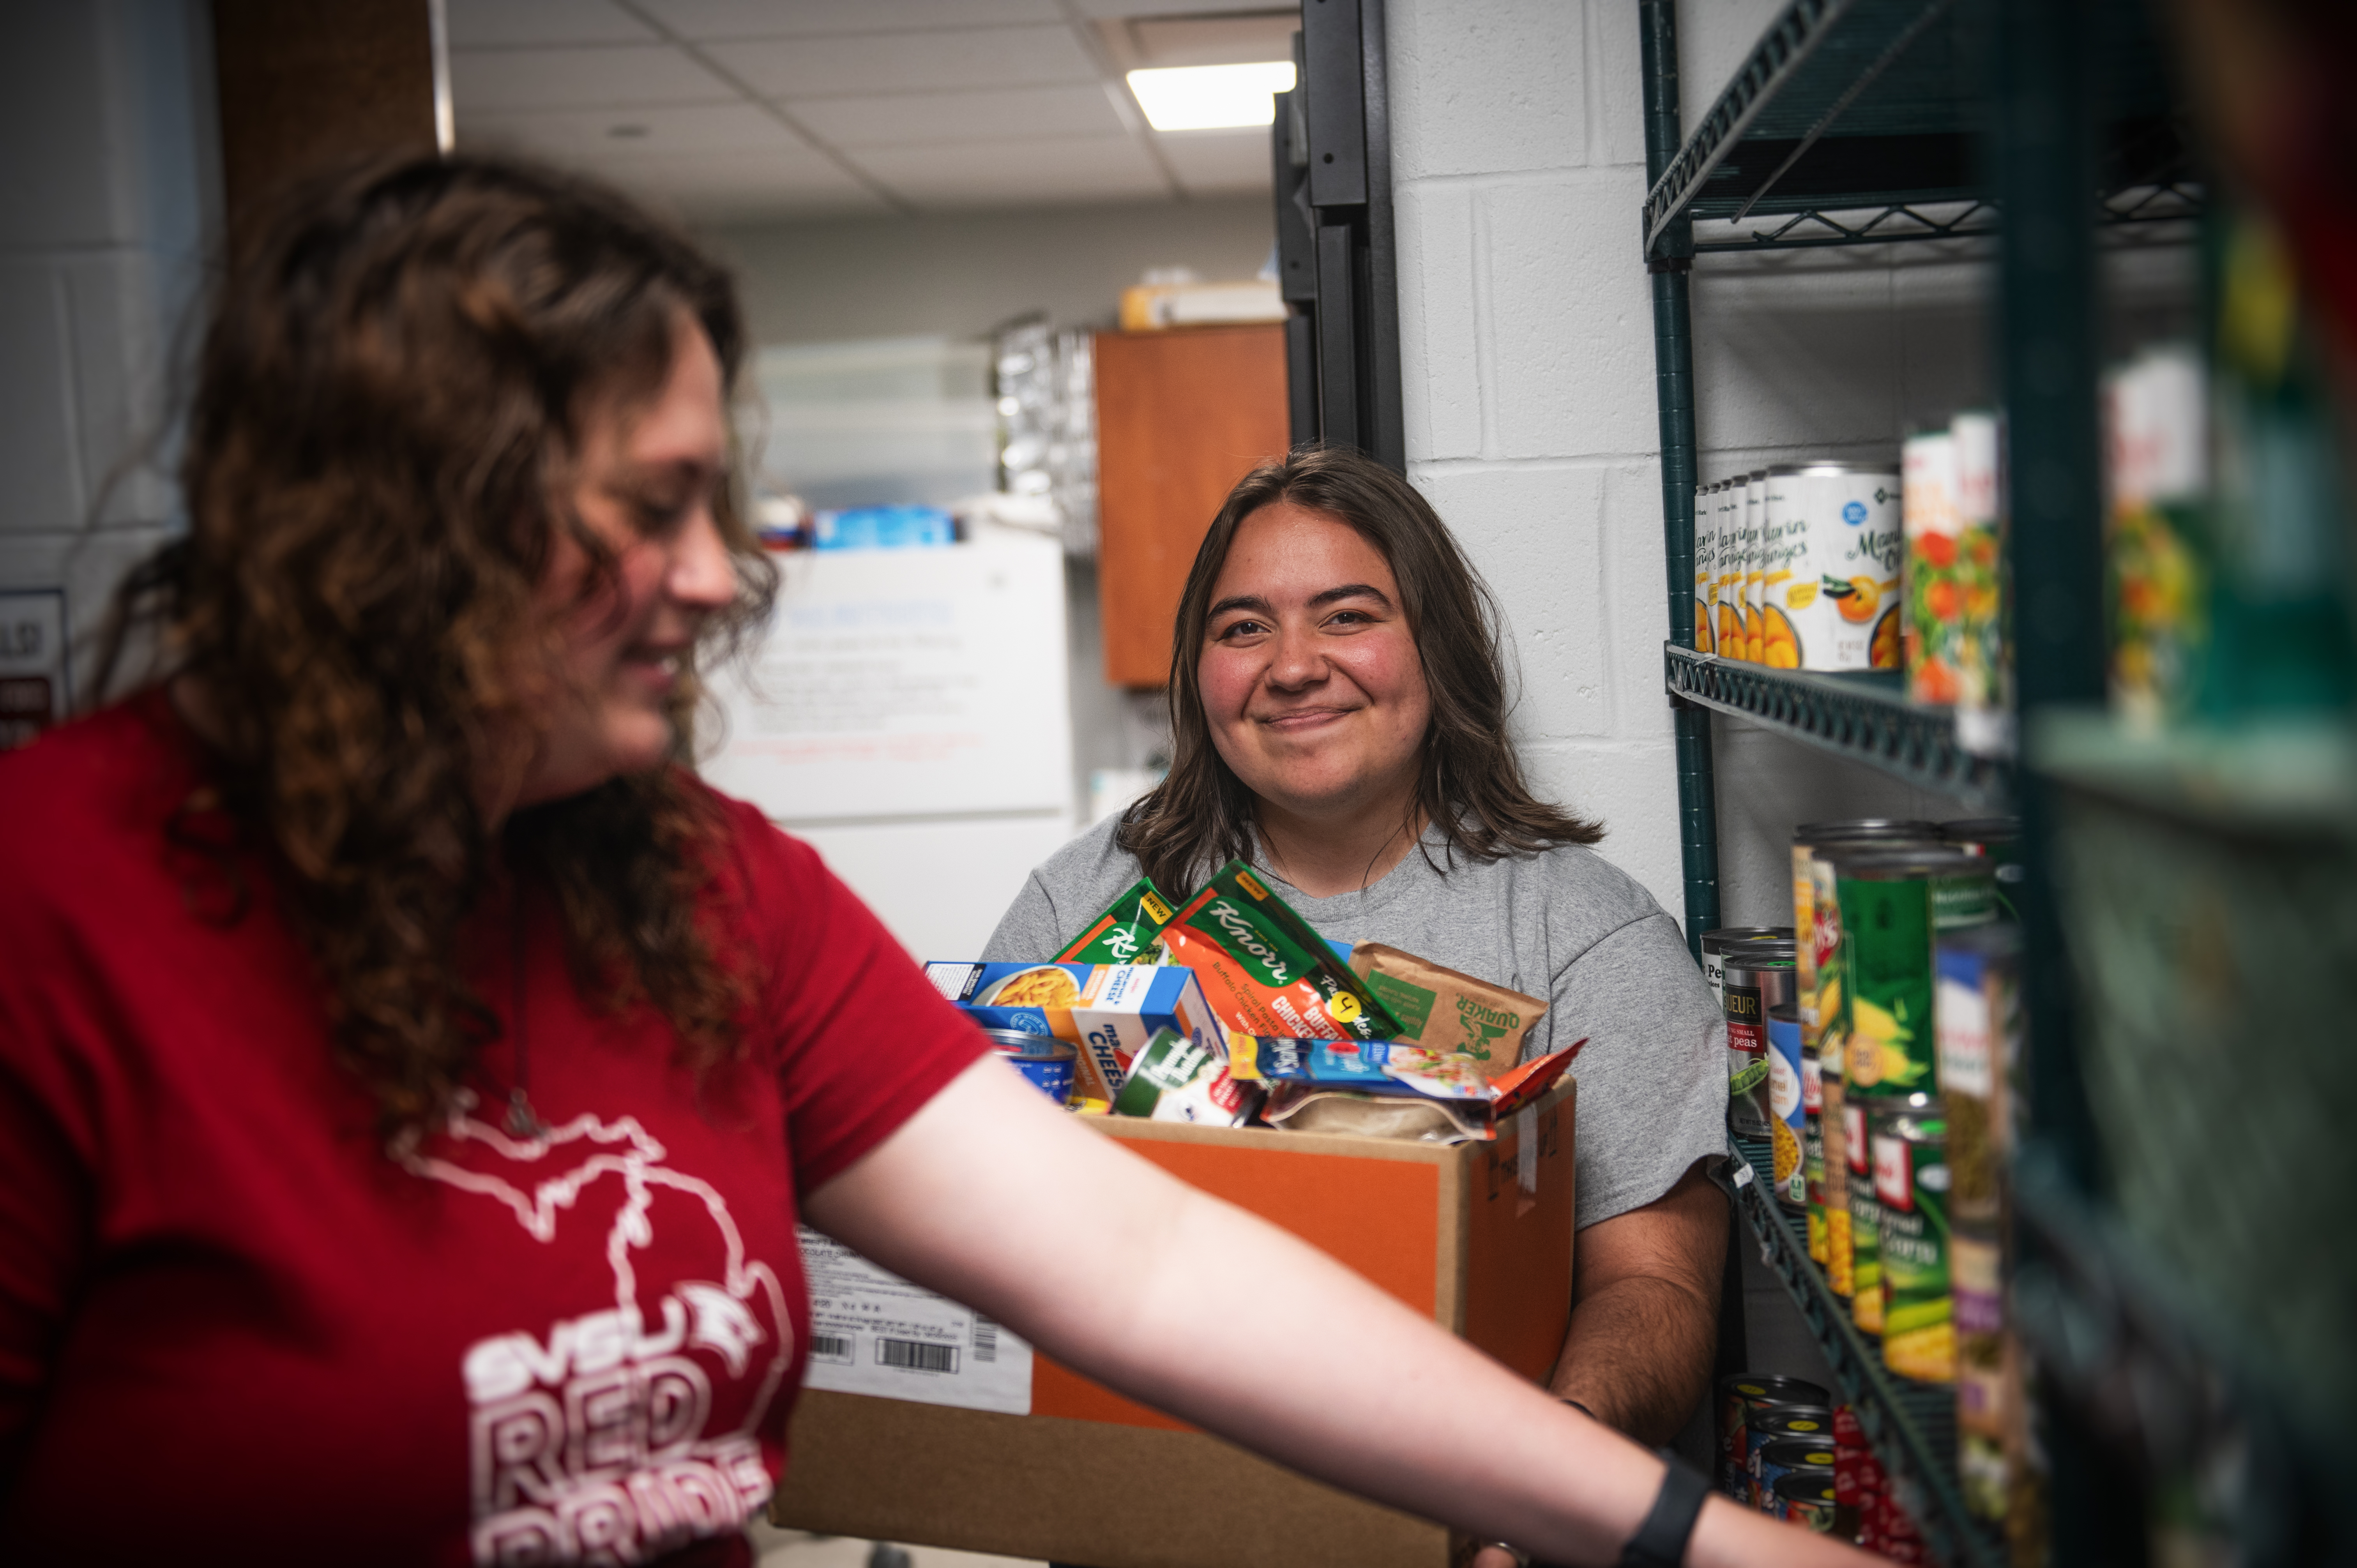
{"points": [[1210, 97]]}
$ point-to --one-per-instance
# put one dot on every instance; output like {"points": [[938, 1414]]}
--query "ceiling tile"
{"points": [[950, 60], [1163, 41], [1217, 163], [572, 135], [1103, 8], [707, 19], [1014, 173], [713, 189], [904, 119], [491, 24], [490, 81]]}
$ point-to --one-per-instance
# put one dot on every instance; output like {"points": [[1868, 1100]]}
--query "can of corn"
{"points": [[1786, 1094], [1816, 915], [1910, 1191], [1894, 903]]}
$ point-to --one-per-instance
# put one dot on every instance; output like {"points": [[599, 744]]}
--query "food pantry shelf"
{"points": [[1871, 108], [1863, 717], [1911, 1427]]}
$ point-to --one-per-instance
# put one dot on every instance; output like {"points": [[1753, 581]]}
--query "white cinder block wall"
{"points": [[1526, 337], [109, 156]]}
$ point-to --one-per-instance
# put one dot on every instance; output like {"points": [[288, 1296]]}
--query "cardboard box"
{"points": [[1479, 1236], [1109, 1010]]}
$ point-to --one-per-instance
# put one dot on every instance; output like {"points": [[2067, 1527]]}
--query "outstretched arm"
{"points": [[950, 1200], [1644, 1323]]}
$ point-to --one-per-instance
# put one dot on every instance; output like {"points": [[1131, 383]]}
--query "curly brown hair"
{"points": [[1471, 783], [389, 397]]}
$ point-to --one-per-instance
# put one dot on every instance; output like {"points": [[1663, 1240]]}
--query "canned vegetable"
{"points": [[1758, 979], [1910, 1190]]}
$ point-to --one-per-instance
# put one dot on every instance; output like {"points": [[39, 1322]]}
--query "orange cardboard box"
{"points": [[1479, 1235]]}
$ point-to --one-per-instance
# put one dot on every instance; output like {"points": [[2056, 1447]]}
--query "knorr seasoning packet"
{"points": [[1124, 933], [1446, 1010], [1266, 971]]}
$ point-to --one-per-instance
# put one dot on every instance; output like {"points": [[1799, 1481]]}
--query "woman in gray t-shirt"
{"points": [[1338, 707]]}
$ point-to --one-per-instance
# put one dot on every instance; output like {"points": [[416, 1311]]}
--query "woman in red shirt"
{"points": [[411, 1075]]}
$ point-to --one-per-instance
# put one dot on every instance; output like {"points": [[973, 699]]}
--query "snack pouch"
{"points": [[1125, 932], [1265, 970], [1445, 1009], [1175, 1078], [1379, 1067], [1299, 1071]]}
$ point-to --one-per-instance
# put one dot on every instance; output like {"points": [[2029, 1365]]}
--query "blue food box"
{"points": [[1109, 1010]]}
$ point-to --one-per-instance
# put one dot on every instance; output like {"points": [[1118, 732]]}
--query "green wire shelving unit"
{"points": [[2028, 132]]}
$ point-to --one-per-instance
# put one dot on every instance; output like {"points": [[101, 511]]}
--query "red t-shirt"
{"points": [[233, 1324]]}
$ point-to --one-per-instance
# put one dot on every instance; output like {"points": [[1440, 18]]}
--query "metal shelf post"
{"points": [[1669, 266]]}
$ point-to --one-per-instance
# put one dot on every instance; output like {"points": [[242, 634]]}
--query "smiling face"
{"points": [[1310, 677], [648, 476]]}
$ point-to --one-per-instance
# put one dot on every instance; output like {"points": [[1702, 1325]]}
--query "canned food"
{"points": [[1717, 944], [1984, 665], [1812, 1155], [1977, 1007], [1786, 1456], [1910, 1191], [1849, 1450], [1830, 587], [1727, 506], [1758, 978], [1998, 839], [1893, 904], [1816, 908], [1785, 1122], [1806, 1497], [1864, 1220], [1900, 1541], [1705, 568], [1049, 1063], [1808, 1422], [1983, 1398], [1742, 1398], [1755, 558], [1933, 620]]}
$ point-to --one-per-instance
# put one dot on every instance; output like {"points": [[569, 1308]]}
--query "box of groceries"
{"points": [[924, 1423], [1111, 1011], [1371, 1102]]}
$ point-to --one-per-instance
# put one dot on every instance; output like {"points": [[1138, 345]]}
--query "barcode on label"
{"points": [[986, 1339], [916, 1355], [830, 1347]]}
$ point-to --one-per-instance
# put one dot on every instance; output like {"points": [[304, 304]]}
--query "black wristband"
{"points": [[1661, 1541]]}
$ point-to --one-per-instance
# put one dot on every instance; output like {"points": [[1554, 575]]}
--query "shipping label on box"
{"points": [[873, 1332], [1109, 1010]]}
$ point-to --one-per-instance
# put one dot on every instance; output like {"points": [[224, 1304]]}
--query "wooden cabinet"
{"points": [[1181, 416]]}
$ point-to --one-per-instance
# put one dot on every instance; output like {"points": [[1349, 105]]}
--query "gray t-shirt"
{"points": [[1566, 925]]}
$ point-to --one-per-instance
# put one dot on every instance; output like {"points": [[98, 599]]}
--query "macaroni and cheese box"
{"points": [[1109, 1010]]}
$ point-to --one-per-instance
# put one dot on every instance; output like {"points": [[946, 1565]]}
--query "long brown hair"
{"points": [[389, 399], [1471, 783]]}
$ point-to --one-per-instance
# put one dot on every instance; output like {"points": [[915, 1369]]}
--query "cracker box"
{"points": [[1109, 1010]]}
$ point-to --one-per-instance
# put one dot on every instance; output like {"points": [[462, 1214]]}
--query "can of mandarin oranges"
{"points": [[1829, 581]]}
